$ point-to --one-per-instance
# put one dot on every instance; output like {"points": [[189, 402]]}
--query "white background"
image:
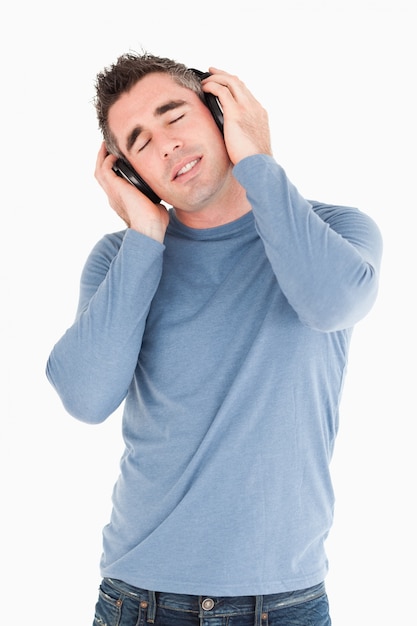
{"points": [[338, 79]]}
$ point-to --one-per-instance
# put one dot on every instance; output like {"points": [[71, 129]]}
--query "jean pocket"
{"points": [[109, 607]]}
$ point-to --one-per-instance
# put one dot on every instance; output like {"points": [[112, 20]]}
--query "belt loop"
{"points": [[258, 610], [151, 607]]}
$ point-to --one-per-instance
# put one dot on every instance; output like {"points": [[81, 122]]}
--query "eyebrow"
{"points": [[161, 110]]}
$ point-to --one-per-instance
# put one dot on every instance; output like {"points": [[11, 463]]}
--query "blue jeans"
{"points": [[120, 604]]}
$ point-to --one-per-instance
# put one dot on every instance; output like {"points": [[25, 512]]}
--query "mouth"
{"points": [[186, 168]]}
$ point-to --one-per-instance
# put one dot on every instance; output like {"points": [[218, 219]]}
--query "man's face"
{"points": [[170, 137]]}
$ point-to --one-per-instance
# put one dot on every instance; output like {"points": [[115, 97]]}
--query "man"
{"points": [[223, 323]]}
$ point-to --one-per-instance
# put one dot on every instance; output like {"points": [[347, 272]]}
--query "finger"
{"points": [[220, 76], [104, 164], [219, 85], [102, 153], [216, 70], [233, 83]]}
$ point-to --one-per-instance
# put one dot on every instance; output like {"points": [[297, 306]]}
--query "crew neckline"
{"points": [[214, 232]]}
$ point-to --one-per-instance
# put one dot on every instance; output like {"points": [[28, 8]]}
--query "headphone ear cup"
{"points": [[212, 102], [215, 107], [123, 169]]}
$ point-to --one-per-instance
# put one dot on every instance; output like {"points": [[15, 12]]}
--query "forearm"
{"points": [[326, 259], [92, 365]]}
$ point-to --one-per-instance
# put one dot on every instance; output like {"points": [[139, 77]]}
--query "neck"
{"points": [[227, 208]]}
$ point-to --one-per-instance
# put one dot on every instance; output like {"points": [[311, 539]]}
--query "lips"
{"points": [[186, 167]]}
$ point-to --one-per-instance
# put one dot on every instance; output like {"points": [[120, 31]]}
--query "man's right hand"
{"points": [[135, 209]]}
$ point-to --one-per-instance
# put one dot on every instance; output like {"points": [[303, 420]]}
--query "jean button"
{"points": [[207, 604]]}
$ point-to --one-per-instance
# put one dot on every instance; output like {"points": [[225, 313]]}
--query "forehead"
{"points": [[142, 101]]}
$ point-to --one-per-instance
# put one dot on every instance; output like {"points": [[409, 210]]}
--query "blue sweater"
{"points": [[228, 346]]}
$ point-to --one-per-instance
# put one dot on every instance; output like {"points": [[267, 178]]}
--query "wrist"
{"points": [[154, 229]]}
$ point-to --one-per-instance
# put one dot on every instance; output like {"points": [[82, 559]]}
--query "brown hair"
{"points": [[121, 76]]}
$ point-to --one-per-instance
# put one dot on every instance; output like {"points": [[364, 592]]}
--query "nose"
{"points": [[168, 144], [169, 148]]}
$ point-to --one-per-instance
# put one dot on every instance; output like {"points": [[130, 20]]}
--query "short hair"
{"points": [[122, 75]]}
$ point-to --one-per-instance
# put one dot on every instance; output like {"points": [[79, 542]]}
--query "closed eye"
{"points": [[144, 146], [177, 119]]}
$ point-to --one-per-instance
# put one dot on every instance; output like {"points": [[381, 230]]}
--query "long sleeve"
{"points": [[92, 365], [326, 258]]}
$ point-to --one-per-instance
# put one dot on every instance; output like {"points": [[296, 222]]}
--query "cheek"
{"points": [[147, 167], [221, 155]]}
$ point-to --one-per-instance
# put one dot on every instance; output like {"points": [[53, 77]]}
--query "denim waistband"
{"points": [[218, 605]]}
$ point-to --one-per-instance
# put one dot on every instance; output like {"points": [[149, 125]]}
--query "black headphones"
{"points": [[212, 102], [125, 170]]}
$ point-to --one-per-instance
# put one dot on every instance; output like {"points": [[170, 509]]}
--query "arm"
{"points": [[326, 258], [92, 365]]}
